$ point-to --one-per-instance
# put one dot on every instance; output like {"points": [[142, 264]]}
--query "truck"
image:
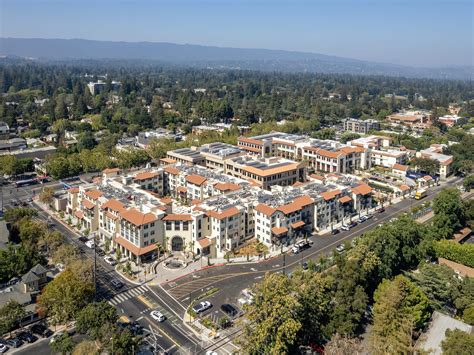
{"points": [[420, 194]]}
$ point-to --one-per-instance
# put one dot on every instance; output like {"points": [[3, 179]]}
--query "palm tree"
{"points": [[159, 249]]}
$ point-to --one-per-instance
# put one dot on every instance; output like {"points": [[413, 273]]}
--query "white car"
{"points": [[202, 306], [345, 228], [109, 260], [90, 244], [3, 348], [60, 267], [210, 352], [55, 337], [158, 316], [340, 248]]}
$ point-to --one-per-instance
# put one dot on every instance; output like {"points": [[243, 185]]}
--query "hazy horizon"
{"points": [[418, 33]]}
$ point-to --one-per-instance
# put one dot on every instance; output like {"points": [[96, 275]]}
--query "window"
{"points": [[185, 225], [177, 225], [168, 225], [152, 224], [152, 233], [145, 235], [152, 240], [145, 226]]}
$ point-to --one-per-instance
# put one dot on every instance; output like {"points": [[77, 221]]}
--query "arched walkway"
{"points": [[177, 243]]}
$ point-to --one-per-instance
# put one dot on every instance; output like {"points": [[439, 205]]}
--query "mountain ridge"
{"points": [[219, 57]]}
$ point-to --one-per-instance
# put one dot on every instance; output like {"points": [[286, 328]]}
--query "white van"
{"points": [[90, 243]]}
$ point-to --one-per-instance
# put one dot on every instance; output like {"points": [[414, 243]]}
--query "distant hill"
{"points": [[216, 57]]}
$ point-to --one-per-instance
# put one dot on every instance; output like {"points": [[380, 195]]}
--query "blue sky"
{"points": [[410, 32]]}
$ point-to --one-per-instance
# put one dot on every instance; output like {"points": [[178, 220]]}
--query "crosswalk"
{"points": [[132, 293]]}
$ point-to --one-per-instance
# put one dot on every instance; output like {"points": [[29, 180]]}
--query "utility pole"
{"points": [[95, 269], [284, 264]]}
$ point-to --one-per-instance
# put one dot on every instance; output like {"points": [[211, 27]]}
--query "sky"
{"points": [[426, 33]]}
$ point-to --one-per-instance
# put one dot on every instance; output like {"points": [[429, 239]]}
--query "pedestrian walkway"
{"points": [[132, 293]]}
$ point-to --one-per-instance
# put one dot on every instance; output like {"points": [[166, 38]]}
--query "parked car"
{"points": [[83, 239], [335, 231], [340, 248], [14, 342], [56, 337], [99, 252], [109, 260], [158, 316], [345, 228], [60, 267], [353, 224], [381, 210], [305, 265], [229, 309], [41, 330], [3, 348], [90, 244], [202, 306], [27, 336], [117, 284]]}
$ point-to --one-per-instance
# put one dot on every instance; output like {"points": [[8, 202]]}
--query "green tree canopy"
{"points": [[457, 342]]}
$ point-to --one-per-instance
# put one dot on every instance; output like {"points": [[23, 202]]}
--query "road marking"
{"points": [[253, 269], [147, 302], [162, 332], [139, 318], [171, 347]]}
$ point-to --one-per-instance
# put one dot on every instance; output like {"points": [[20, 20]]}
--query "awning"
{"points": [[87, 204], [79, 214], [182, 189], [297, 224], [204, 242], [279, 230]]}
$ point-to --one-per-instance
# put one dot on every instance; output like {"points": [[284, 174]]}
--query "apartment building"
{"points": [[196, 183], [361, 126], [449, 120], [388, 158], [434, 152], [320, 155], [100, 86], [411, 119], [266, 172]]}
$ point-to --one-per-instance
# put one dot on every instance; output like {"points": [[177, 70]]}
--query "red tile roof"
{"points": [[87, 204], [113, 205], [79, 214], [289, 208], [400, 167], [94, 194], [345, 199], [182, 189], [250, 140], [329, 195], [297, 224], [178, 217], [168, 160], [204, 242], [279, 230], [362, 189], [171, 170], [133, 248], [224, 214], [227, 186], [73, 190], [138, 218], [265, 209], [146, 175], [111, 170], [196, 179]]}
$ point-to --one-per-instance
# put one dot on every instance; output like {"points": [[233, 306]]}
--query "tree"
{"points": [[348, 136], [86, 347], [63, 344], [65, 296], [457, 342], [469, 182], [314, 296], [122, 342], [15, 214], [449, 213], [96, 319], [65, 254], [459, 253], [11, 314], [343, 345], [426, 165], [46, 195], [52, 241], [468, 315], [273, 324], [400, 308]]}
